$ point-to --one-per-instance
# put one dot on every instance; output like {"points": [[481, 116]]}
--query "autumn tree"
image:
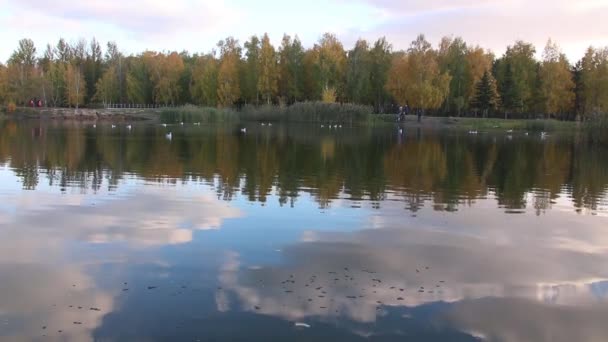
{"points": [[557, 85], [204, 81], [486, 97], [166, 77], [75, 85], [415, 78], [479, 61], [107, 90], [228, 90], [331, 61], [267, 80], [313, 83], [3, 84], [74, 76], [139, 80]]}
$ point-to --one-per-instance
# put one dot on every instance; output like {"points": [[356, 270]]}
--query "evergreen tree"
{"points": [[486, 96]]}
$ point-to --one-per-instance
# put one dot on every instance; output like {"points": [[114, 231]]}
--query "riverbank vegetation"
{"points": [[452, 79], [329, 113]]}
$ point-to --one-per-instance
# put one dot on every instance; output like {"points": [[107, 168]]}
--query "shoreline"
{"points": [[154, 116], [85, 114]]}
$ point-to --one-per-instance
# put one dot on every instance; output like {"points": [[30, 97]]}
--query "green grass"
{"points": [[502, 124]]}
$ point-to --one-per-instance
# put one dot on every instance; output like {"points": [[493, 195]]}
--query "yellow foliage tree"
{"points": [[268, 68], [167, 87], [479, 62], [3, 84], [415, 78], [107, 87], [331, 61], [228, 88], [557, 84], [75, 85]]}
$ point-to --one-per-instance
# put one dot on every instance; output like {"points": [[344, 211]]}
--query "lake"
{"points": [[300, 233]]}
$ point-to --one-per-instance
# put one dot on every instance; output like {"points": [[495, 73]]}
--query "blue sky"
{"points": [[196, 26]]}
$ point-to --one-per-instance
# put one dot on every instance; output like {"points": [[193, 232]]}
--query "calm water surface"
{"points": [[299, 233]]}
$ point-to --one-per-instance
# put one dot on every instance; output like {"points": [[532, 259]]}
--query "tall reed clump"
{"points": [[310, 112], [597, 128], [191, 114]]}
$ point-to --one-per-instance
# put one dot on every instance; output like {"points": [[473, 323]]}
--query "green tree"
{"points": [[140, 88], [249, 85], [92, 68], [380, 65], [291, 69], [452, 59], [486, 96], [594, 81], [516, 73], [358, 74], [22, 72], [268, 71]]}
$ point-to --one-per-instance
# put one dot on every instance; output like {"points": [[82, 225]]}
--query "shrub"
{"points": [[191, 114], [11, 107], [597, 128], [309, 112]]}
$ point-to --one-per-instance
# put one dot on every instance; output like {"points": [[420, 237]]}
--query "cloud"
{"points": [[494, 24], [44, 282], [520, 320], [553, 266], [139, 17], [146, 217]]}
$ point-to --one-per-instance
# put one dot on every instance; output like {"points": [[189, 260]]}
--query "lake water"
{"points": [[300, 233]]}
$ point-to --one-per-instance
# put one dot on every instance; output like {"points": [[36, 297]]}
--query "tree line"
{"points": [[453, 79]]}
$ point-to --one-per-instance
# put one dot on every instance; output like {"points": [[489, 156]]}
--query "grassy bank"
{"points": [[509, 124]]}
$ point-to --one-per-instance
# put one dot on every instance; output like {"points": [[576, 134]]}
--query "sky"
{"points": [[196, 26]]}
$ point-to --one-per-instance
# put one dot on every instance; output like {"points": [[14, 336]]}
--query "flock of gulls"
{"points": [[243, 130], [320, 289], [543, 135]]}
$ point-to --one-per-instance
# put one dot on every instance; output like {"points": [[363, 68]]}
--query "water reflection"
{"points": [[444, 170], [111, 234]]}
